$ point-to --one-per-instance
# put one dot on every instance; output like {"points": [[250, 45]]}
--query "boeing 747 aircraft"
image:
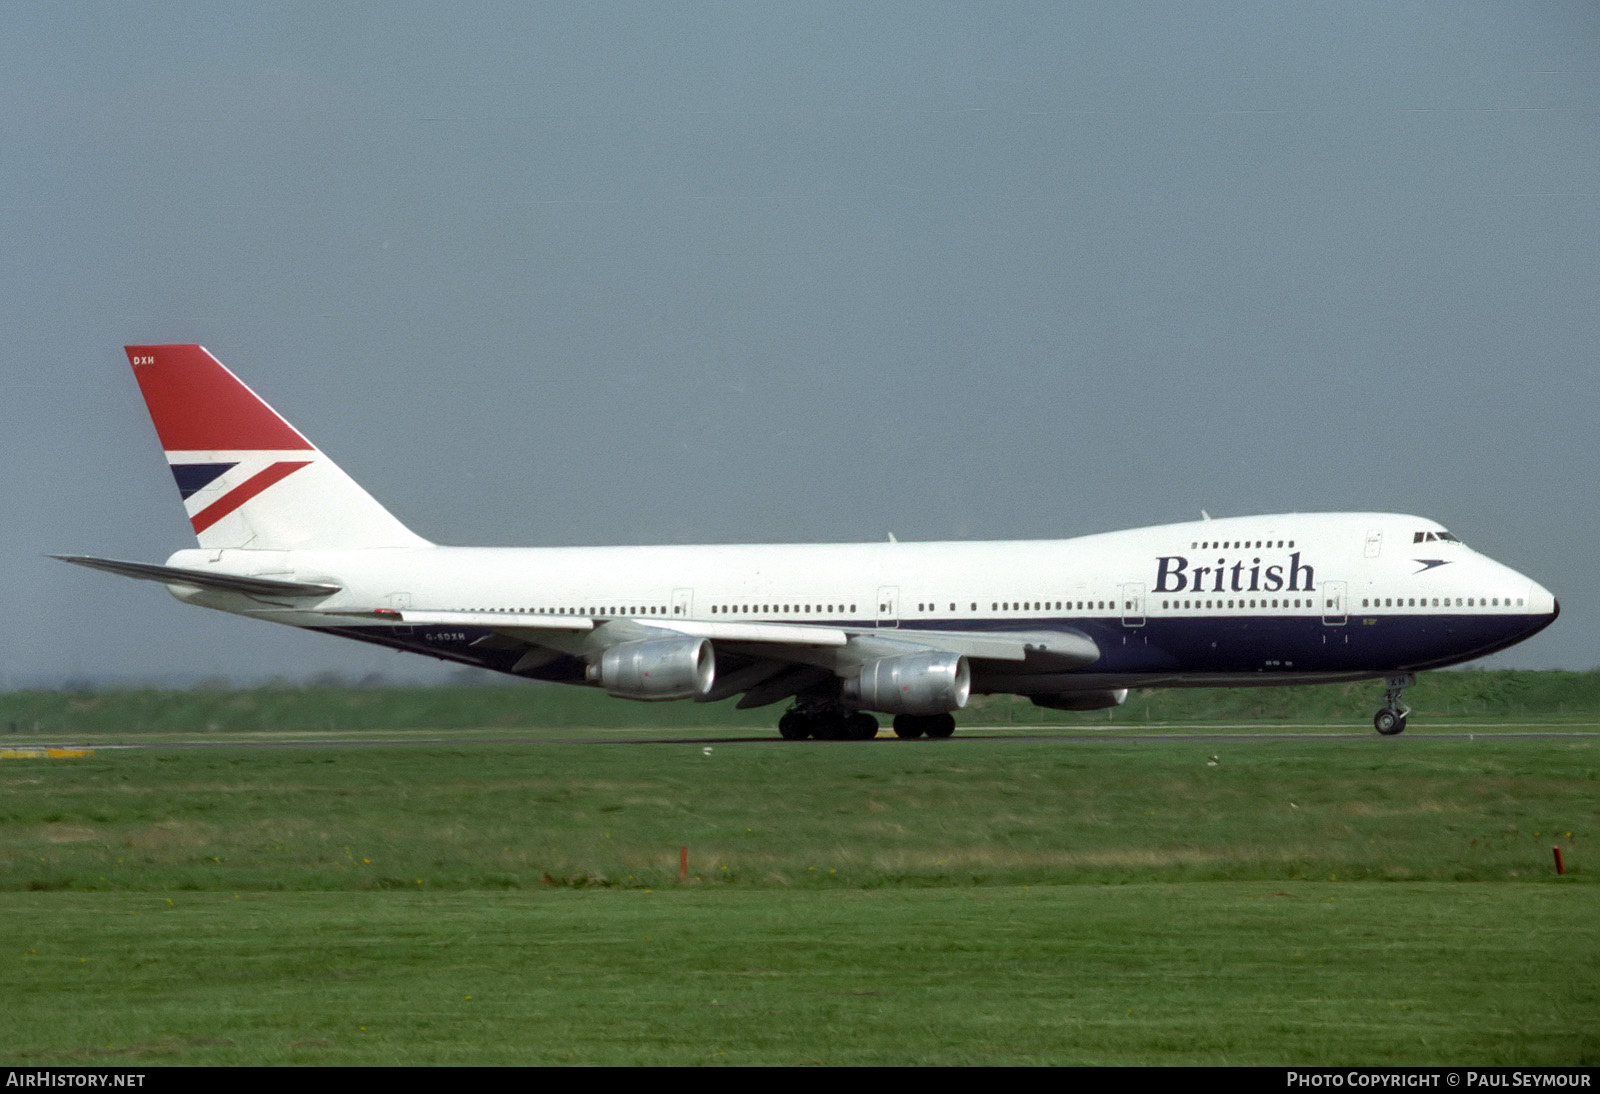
{"points": [[837, 630]]}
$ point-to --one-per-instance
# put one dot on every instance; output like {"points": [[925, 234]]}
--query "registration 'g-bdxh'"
{"points": [[835, 630]]}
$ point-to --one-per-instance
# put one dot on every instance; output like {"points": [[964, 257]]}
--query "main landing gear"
{"points": [[924, 725], [1392, 718], [829, 722]]}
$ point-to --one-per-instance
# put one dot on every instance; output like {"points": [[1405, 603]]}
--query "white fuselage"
{"points": [[1265, 599]]}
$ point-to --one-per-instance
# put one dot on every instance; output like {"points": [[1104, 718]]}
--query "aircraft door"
{"points": [[1133, 604], [888, 606], [1334, 609], [682, 601]]}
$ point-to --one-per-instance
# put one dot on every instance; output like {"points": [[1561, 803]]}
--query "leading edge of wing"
{"points": [[1062, 648], [520, 624], [1066, 647]]}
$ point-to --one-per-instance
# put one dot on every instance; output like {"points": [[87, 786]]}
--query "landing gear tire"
{"points": [[827, 723], [828, 726], [1392, 718], [1389, 722], [794, 726], [861, 726], [909, 726], [923, 725]]}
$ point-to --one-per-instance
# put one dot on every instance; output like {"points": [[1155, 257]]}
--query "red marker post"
{"points": [[683, 863], [1559, 868]]}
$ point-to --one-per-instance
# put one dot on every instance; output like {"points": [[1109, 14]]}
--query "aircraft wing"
{"points": [[1070, 648], [516, 624], [780, 647], [528, 626]]}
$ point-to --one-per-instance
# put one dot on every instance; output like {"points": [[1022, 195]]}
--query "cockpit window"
{"points": [[1431, 537]]}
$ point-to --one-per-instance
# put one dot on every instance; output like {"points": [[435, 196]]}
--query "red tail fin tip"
{"points": [[199, 406]]}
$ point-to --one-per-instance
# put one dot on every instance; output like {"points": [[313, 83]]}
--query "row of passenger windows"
{"points": [[1182, 604], [1236, 544], [804, 609], [778, 609], [922, 606], [1332, 605], [1441, 602], [1044, 606], [1033, 606], [1017, 606]]}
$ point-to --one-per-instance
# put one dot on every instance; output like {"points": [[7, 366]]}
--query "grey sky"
{"points": [[645, 272]]}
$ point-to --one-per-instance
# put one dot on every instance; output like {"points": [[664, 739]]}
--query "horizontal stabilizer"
{"points": [[204, 579]]}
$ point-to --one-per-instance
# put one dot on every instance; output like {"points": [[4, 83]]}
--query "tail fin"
{"points": [[247, 477]]}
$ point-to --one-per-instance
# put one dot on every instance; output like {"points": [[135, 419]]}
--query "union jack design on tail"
{"points": [[246, 476]]}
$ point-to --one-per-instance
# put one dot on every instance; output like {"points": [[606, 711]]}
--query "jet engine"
{"points": [[1082, 700], [656, 668], [919, 683]]}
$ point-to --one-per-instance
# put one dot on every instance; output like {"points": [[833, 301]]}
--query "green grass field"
{"points": [[979, 900], [1147, 973]]}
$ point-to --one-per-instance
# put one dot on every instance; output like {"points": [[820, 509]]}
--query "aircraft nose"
{"points": [[1542, 600]]}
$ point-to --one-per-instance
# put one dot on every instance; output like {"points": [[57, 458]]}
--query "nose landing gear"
{"points": [[1392, 718]]}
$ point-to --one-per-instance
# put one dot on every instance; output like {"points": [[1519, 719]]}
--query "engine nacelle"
{"points": [[919, 683], [1082, 700], [656, 668]]}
